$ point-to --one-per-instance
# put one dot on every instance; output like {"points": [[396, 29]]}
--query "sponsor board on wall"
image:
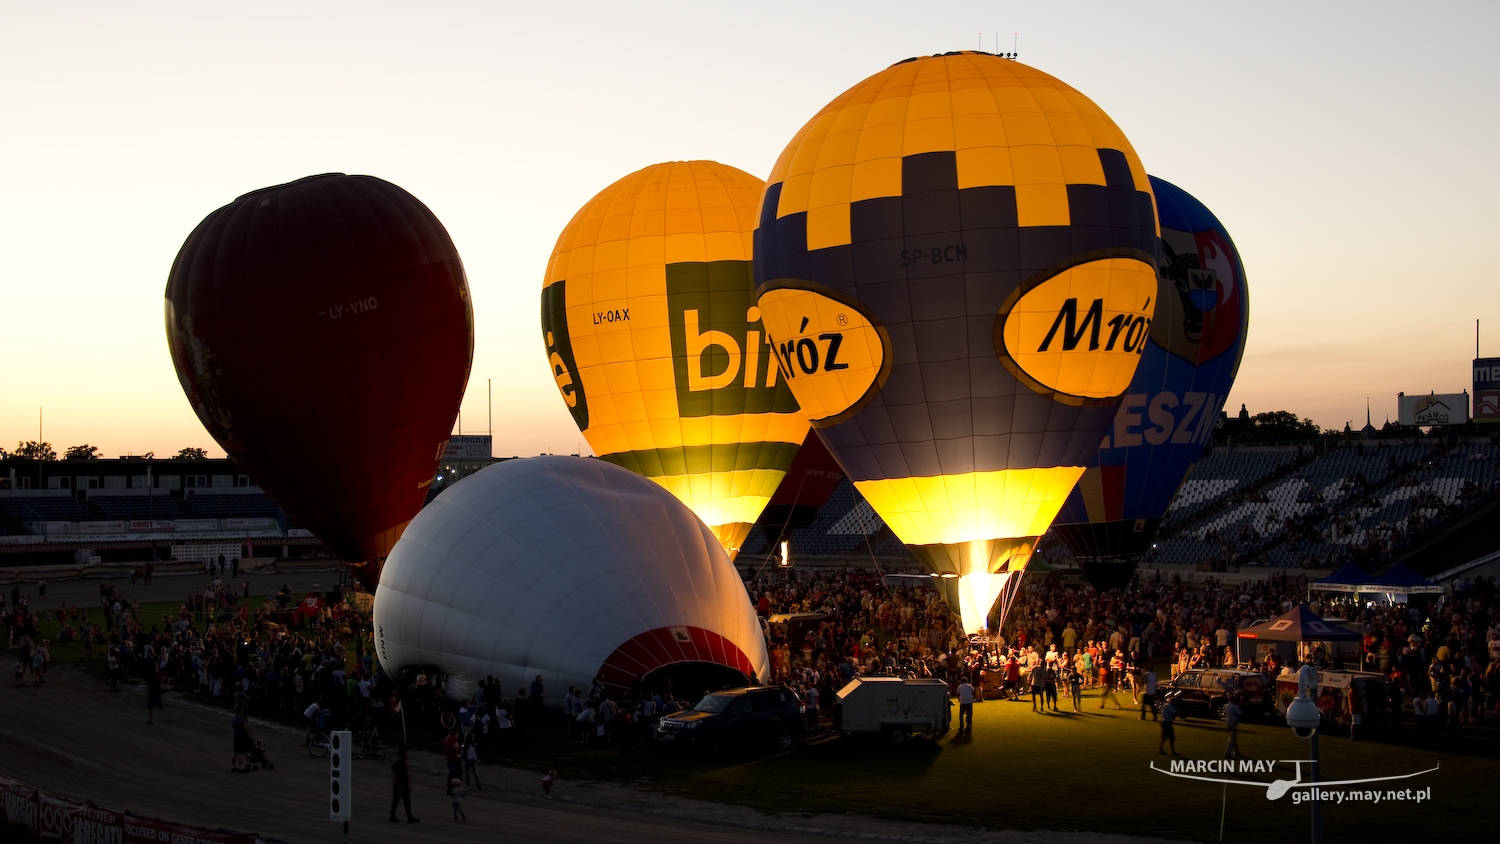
{"points": [[468, 447], [1487, 390], [1432, 409]]}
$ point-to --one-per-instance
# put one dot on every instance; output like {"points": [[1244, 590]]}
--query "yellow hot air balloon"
{"points": [[956, 261], [656, 343]]}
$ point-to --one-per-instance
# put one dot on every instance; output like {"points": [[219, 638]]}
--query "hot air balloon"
{"points": [[1167, 416], [812, 478], [569, 568], [322, 332], [654, 339], [956, 261]]}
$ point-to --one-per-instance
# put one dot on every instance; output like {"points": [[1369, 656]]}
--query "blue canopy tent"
{"points": [[1348, 579], [1299, 624], [1402, 581]]}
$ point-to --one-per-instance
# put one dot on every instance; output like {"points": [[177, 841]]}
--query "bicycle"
{"points": [[317, 744], [366, 739]]}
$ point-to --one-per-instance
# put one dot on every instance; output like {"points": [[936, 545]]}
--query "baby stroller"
{"points": [[257, 756]]}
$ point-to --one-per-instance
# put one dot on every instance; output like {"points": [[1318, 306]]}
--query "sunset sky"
{"points": [[1349, 148]]}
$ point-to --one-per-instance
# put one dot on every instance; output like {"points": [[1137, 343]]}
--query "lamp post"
{"points": [[1303, 717]]}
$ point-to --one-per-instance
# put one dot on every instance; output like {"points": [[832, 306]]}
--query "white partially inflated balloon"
{"points": [[566, 567]]}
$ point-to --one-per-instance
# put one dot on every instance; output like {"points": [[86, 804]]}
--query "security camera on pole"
{"points": [[1303, 717], [340, 786]]}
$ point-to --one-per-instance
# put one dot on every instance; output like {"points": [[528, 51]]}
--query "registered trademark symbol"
{"points": [[843, 320]]}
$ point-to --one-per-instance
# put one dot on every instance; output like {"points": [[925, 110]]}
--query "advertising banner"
{"points": [[56, 817], [248, 524], [150, 525], [195, 525], [98, 826], [151, 831], [46, 817], [467, 447], [101, 527], [1487, 390], [21, 809], [1433, 409]]}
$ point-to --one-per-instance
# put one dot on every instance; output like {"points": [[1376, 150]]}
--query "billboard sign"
{"points": [[468, 447], [1433, 409], [1487, 390]]}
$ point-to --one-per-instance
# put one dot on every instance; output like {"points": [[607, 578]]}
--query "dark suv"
{"points": [[1207, 691], [751, 715]]}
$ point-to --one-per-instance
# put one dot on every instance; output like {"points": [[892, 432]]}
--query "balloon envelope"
{"points": [[956, 262], [322, 331], [570, 568], [1168, 415], [813, 476], [654, 340]]}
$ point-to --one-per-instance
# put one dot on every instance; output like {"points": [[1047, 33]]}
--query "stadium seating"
{"points": [[39, 509], [1340, 501], [1432, 488], [1218, 475], [138, 507], [209, 506]]}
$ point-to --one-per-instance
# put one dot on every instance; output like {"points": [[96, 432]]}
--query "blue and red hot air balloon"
{"points": [[1168, 414]]}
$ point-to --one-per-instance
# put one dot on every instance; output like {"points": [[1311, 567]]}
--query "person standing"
{"points": [[1148, 697], [453, 752], [239, 726], [401, 786], [1168, 734], [1232, 714], [38, 664], [1075, 689], [536, 696], [965, 707], [456, 794], [1356, 703], [1038, 678], [471, 761], [505, 730], [153, 693]]}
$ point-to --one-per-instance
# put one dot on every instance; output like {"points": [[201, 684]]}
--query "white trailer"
{"points": [[897, 706]]}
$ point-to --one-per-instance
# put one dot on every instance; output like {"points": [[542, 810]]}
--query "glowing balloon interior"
{"points": [[657, 346], [956, 261]]}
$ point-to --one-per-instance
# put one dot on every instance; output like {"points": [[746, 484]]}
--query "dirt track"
{"points": [[76, 739]]}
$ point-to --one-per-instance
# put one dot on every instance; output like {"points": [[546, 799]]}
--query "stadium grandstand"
{"points": [[137, 508], [1432, 502], [1428, 501]]}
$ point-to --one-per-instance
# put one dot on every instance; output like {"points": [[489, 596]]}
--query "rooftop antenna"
{"points": [[489, 390]]}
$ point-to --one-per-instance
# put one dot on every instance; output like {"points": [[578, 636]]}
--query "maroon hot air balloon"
{"points": [[322, 331], [813, 476]]}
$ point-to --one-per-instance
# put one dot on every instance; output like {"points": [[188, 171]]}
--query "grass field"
{"points": [[1022, 770]]}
